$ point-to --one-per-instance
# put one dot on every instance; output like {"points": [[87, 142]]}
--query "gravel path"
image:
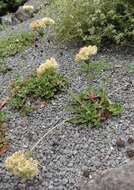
{"points": [[68, 151]]}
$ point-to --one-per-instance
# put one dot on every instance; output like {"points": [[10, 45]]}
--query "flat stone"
{"points": [[113, 179], [21, 15]]}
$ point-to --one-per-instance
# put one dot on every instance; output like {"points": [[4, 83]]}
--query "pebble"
{"points": [[130, 140], [120, 143], [130, 153], [86, 173]]}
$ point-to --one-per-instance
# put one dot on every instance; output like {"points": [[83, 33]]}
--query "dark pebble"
{"points": [[61, 53], [86, 173], [36, 45], [130, 140], [130, 153], [120, 142]]}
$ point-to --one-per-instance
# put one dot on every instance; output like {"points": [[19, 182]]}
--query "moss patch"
{"points": [[12, 45]]}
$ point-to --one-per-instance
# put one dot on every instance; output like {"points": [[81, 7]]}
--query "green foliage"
{"points": [[45, 88], [2, 117], [10, 5], [12, 45], [92, 107], [93, 70], [131, 68], [95, 21]]}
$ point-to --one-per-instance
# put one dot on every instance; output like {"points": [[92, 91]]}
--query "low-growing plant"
{"points": [[22, 164], [92, 107], [45, 85], [3, 139], [93, 70], [2, 117], [95, 21], [14, 44]]}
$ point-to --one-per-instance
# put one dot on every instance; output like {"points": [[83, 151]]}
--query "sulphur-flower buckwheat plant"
{"points": [[40, 24], [22, 165], [86, 53], [49, 66], [28, 8]]}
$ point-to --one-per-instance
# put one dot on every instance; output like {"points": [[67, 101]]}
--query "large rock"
{"points": [[21, 15], [6, 20], [15, 18], [114, 179]]}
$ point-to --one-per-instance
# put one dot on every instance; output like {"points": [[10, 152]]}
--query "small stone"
{"points": [[36, 45], [118, 66], [36, 39], [70, 164], [120, 142], [4, 125], [21, 186], [61, 53], [130, 153], [130, 140], [54, 144], [86, 173]]}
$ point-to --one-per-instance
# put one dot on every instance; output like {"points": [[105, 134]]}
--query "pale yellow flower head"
{"points": [[40, 24], [22, 166], [50, 65], [48, 21], [85, 53], [28, 8], [37, 25]]}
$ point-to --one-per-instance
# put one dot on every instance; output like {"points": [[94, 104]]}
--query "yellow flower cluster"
{"points": [[37, 25], [28, 8], [21, 165], [85, 53], [48, 21], [40, 24], [49, 66]]}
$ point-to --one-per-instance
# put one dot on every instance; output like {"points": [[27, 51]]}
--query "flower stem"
{"points": [[49, 131]]}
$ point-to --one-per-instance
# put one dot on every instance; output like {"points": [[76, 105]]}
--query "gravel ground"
{"points": [[69, 150]]}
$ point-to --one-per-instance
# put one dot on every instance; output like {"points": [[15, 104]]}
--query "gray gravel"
{"points": [[69, 150]]}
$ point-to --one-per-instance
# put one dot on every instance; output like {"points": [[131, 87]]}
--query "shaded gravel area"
{"points": [[69, 150]]}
